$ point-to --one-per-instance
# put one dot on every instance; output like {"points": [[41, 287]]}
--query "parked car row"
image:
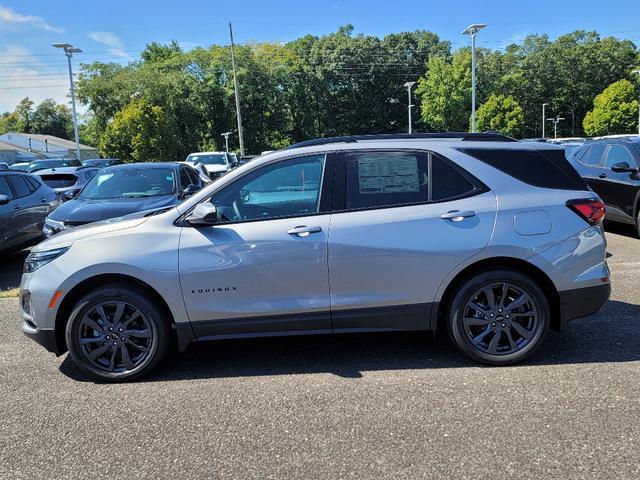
{"points": [[494, 240]]}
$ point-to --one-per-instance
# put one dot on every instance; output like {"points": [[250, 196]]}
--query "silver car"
{"points": [[495, 241]]}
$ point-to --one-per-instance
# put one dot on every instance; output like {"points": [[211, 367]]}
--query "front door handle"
{"points": [[603, 175], [304, 231], [16, 207], [43, 199], [457, 215]]}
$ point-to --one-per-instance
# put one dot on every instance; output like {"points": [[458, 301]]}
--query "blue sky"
{"points": [[116, 30]]}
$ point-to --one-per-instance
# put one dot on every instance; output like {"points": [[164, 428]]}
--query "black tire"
{"points": [[473, 329], [138, 349]]}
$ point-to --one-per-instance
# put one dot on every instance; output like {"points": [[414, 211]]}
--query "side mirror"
{"points": [[4, 199], [70, 194], [623, 167], [203, 215], [190, 190]]}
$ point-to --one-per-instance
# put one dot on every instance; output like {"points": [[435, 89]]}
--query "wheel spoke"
{"points": [[491, 299], [512, 343], [93, 325], [146, 333], [88, 340], [503, 294], [493, 345], [93, 356], [518, 302], [124, 352], [478, 338], [118, 313], [139, 347], [478, 307], [523, 332], [473, 321], [103, 315], [112, 360], [134, 316]]}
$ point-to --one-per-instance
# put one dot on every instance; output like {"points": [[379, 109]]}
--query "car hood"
{"points": [[67, 237], [79, 211], [216, 168]]}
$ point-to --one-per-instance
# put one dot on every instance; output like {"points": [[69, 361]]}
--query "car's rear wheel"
{"points": [[498, 317], [117, 333]]}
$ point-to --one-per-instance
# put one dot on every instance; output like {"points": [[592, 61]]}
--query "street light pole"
{"points": [[472, 30], [69, 50], [638, 72], [556, 121], [409, 85], [235, 87], [543, 117], [226, 141]]}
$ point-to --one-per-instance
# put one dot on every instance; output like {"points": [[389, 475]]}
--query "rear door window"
{"points": [[447, 182], [4, 187], [33, 184], [19, 186], [594, 156]]}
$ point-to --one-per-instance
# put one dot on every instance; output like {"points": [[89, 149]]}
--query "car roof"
{"points": [[630, 139], [63, 170], [130, 166], [207, 153]]}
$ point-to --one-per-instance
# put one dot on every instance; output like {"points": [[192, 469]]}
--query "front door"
{"points": [[263, 268], [408, 219]]}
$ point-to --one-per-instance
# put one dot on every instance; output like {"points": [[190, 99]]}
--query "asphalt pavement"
{"points": [[350, 406]]}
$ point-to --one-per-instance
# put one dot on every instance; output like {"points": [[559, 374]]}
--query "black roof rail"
{"points": [[465, 136]]}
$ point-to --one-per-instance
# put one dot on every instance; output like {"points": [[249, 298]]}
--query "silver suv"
{"points": [[496, 241]]}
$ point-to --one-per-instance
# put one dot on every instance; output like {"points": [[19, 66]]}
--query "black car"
{"points": [[24, 204], [123, 189], [610, 167], [52, 163], [101, 162]]}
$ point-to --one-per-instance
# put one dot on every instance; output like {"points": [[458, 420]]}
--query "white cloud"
{"points": [[8, 15], [111, 40], [23, 75]]}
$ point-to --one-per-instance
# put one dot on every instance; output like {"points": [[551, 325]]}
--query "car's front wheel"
{"points": [[116, 333], [498, 317]]}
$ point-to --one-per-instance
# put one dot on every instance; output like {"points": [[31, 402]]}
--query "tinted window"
{"points": [[130, 183], [593, 156], [637, 147], [544, 169], [577, 153], [618, 154], [376, 179], [33, 184], [4, 187], [193, 176], [185, 181], [19, 185], [447, 182], [288, 188]]}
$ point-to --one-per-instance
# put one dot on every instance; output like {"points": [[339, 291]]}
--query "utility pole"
{"points": [[69, 50], [235, 87], [226, 141], [472, 30], [543, 118], [555, 121], [638, 72], [409, 85]]}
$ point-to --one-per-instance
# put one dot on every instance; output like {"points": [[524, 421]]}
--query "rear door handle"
{"points": [[603, 175], [304, 231], [457, 215]]}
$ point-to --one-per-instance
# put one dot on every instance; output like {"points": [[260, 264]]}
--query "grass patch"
{"points": [[9, 293]]}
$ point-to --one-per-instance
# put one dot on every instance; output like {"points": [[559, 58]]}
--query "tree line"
{"points": [[172, 102]]}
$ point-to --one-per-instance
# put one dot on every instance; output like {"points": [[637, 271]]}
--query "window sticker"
{"points": [[395, 174]]}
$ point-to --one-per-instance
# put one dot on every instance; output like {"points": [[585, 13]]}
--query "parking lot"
{"points": [[356, 406]]}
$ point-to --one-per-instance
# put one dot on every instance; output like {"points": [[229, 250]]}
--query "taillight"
{"points": [[590, 209]]}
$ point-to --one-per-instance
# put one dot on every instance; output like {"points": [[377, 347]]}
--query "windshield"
{"points": [[47, 164], [208, 159], [130, 183]]}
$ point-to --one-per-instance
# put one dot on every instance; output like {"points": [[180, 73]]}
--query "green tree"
{"points": [[501, 113], [615, 110], [140, 132], [50, 118], [445, 93]]}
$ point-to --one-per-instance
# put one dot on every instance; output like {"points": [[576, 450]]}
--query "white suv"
{"points": [[492, 239]]}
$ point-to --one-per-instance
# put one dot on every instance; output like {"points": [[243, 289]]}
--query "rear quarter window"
{"points": [[540, 168]]}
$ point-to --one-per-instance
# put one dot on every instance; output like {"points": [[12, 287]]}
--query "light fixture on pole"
{"points": [[556, 121], [69, 50], [472, 30], [638, 72], [409, 85], [543, 118], [226, 141]]}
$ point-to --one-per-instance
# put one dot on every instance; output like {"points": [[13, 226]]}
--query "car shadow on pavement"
{"points": [[620, 229], [612, 335], [11, 269]]}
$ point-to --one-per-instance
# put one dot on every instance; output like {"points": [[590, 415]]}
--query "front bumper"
{"points": [[582, 302], [46, 338]]}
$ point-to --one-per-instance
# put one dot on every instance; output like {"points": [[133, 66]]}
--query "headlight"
{"points": [[35, 260], [54, 224]]}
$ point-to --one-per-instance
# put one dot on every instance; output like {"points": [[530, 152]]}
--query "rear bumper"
{"points": [[582, 302]]}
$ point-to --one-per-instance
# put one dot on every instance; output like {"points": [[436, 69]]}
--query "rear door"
{"points": [[402, 221], [7, 232], [618, 189], [30, 207]]}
